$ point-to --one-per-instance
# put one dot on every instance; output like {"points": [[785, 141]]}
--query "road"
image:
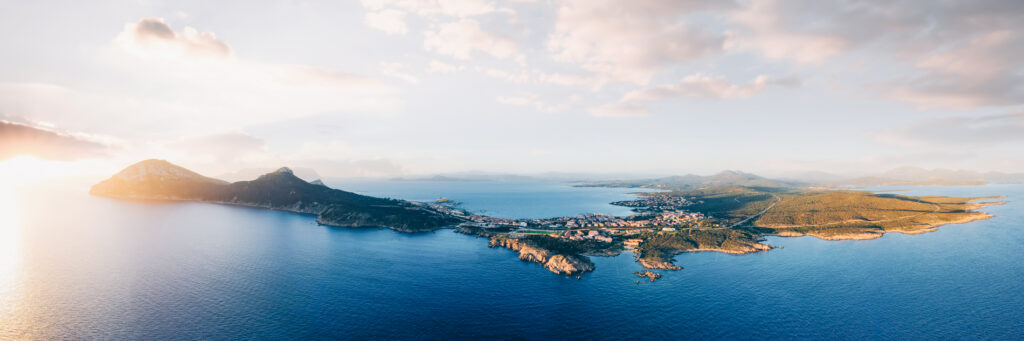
{"points": [[744, 221]]}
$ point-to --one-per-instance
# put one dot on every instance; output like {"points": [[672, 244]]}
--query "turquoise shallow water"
{"points": [[93, 268]]}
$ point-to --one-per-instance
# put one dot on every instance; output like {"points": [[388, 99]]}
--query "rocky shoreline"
{"points": [[562, 264]]}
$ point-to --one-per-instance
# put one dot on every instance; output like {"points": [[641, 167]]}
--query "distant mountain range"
{"points": [[691, 181], [278, 190], [906, 176]]}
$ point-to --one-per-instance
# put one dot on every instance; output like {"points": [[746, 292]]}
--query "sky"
{"points": [[380, 88]]}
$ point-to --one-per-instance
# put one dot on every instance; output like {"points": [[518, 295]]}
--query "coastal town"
{"points": [[654, 214]]}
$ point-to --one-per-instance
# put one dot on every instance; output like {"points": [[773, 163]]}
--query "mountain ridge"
{"points": [[278, 190]]}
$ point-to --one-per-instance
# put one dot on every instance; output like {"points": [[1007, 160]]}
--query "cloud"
{"points": [[537, 102], [620, 110], [440, 67], [163, 82], [18, 139], [703, 86], [388, 20], [989, 70], [959, 132], [630, 41], [154, 35], [962, 54], [397, 70], [453, 8], [464, 38], [223, 147]]}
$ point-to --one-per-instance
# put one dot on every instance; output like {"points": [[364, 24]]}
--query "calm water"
{"points": [[77, 267], [506, 199]]}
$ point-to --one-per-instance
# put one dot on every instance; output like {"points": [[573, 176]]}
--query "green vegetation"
{"points": [[571, 247], [279, 190], [861, 215], [660, 247], [729, 204]]}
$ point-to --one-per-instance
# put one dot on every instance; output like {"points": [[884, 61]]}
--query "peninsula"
{"points": [[730, 212]]}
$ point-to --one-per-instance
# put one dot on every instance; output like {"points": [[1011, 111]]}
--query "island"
{"points": [[730, 212]]}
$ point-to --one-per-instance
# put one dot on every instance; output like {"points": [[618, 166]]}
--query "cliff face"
{"points": [[649, 263], [278, 190], [557, 263]]}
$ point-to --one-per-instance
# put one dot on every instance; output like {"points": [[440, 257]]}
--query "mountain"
{"points": [[278, 190], [249, 173], [691, 181]]}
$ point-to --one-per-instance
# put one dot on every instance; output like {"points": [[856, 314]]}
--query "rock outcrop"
{"points": [[649, 263], [563, 264], [651, 275]]}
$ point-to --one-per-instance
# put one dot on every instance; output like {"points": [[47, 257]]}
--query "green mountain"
{"points": [[278, 190]]}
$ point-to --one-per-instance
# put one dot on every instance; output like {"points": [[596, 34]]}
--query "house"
{"points": [[632, 243]]}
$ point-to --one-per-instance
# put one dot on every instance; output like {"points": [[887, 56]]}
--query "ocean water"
{"points": [[505, 199], [80, 267]]}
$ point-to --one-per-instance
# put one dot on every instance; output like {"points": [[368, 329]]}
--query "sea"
{"points": [[73, 266]]}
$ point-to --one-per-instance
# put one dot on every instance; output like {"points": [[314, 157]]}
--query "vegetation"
{"points": [[660, 247], [837, 213], [280, 190], [571, 247], [729, 204]]}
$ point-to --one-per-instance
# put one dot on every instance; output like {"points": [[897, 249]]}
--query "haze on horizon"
{"points": [[379, 88]]}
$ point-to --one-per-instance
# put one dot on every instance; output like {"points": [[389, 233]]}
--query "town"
{"points": [[655, 214]]}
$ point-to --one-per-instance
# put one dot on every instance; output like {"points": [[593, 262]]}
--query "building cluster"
{"points": [[656, 203], [583, 235]]}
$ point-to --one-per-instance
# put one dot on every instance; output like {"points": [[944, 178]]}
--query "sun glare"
{"points": [[22, 171], [10, 243]]}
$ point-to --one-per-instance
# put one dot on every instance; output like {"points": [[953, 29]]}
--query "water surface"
{"points": [[82, 267]]}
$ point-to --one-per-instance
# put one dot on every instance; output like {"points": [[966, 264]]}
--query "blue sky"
{"points": [[392, 88]]}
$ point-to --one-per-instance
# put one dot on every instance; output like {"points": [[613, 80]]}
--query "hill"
{"points": [[278, 190], [862, 215]]}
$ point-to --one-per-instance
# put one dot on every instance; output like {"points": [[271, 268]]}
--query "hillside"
{"points": [[863, 215], [279, 190]]}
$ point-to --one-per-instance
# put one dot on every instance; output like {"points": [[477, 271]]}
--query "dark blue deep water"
{"points": [[80, 267]]}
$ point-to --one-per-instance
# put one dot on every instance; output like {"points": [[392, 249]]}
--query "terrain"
{"points": [[278, 190], [730, 212], [738, 217]]}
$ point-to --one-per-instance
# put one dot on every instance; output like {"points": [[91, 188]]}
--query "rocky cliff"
{"points": [[557, 263]]}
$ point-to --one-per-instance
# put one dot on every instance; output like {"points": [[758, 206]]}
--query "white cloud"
{"points": [[388, 20], [514, 77], [961, 54], [153, 35], [625, 41], [620, 110], [703, 86], [988, 70], [453, 8], [440, 67], [397, 70], [43, 142], [537, 102], [768, 31], [191, 82], [464, 38]]}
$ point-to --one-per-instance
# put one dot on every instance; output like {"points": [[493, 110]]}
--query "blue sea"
{"points": [[80, 267]]}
